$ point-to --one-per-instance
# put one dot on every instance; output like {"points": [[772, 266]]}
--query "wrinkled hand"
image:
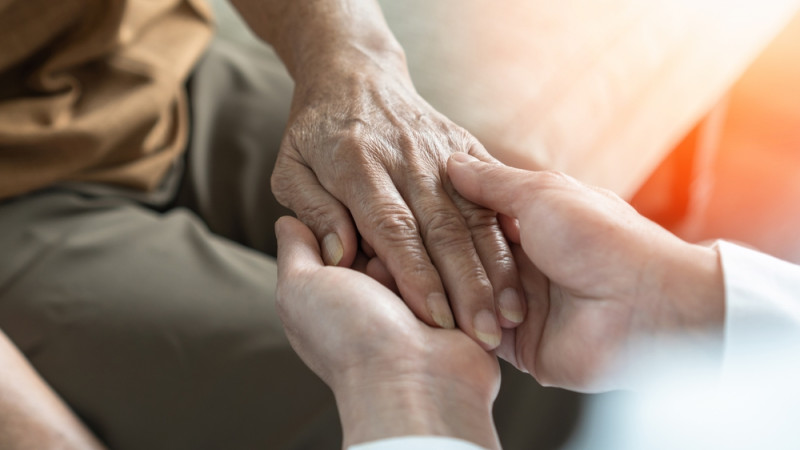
{"points": [[392, 374], [364, 153], [598, 277]]}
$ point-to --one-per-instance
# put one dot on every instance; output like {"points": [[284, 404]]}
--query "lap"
{"points": [[157, 332], [159, 329]]}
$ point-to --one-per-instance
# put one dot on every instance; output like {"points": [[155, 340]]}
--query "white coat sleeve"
{"points": [[762, 304]]}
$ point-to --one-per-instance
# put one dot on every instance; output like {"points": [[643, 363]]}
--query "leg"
{"points": [[33, 417], [158, 333]]}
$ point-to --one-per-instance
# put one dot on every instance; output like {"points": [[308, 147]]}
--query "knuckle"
{"points": [[415, 269], [398, 232], [283, 183], [352, 142], [360, 145], [361, 166], [480, 220], [462, 139], [393, 223], [499, 257], [477, 284], [504, 260], [423, 167], [427, 180], [315, 214], [446, 229]]}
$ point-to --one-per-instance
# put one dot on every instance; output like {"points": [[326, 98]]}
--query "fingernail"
{"points": [[462, 157], [332, 250], [440, 310], [510, 306], [486, 328]]}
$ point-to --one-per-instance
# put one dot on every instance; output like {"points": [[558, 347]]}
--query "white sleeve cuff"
{"points": [[762, 304], [417, 443]]}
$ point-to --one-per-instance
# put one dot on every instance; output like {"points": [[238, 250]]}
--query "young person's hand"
{"points": [[392, 374], [598, 277]]}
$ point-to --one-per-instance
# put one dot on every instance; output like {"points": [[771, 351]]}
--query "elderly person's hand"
{"points": [[392, 374], [367, 146], [598, 277], [364, 154]]}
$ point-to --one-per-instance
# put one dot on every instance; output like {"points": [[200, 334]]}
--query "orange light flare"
{"points": [[753, 181]]}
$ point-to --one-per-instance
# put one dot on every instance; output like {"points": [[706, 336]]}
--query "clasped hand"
{"points": [[596, 277], [364, 155]]}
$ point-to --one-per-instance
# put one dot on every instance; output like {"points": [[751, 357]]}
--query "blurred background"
{"points": [[746, 187]]}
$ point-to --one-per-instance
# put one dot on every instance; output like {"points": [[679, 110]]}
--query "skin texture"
{"points": [[385, 366], [598, 277], [32, 416], [364, 157]]}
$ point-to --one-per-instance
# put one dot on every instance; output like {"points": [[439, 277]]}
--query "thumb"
{"points": [[494, 186], [297, 248]]}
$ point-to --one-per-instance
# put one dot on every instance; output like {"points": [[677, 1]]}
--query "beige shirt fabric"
{"points": [[93, 90]]}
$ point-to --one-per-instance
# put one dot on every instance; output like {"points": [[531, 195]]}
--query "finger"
{"points": [[510, 227], [384, 219], [495, 255], [298, 257], [298, 250], [449, 242], [493, 186], [529, 336], [296, 187], [492, 247]]}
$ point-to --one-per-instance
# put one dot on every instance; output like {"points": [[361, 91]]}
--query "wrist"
{"points": [[680, 313], [413, 405], [703, 291], [351, 62], [315, 39], [693, 292]]}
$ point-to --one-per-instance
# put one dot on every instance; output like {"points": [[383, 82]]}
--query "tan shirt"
{"points": [[92, 90]]}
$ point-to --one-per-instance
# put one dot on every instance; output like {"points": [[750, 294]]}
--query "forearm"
{"points": [[370, 412], [31, 414], [312, 36]]}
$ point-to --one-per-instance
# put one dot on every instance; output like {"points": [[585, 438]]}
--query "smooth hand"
{"points": [[598, 277], [392, 374]]}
